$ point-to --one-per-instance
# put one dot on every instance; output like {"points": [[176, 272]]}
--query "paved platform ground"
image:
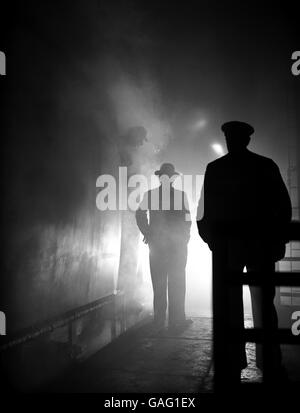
{"points": [[142, 361]]}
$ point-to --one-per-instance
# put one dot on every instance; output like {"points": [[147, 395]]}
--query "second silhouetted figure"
{"points": [[164, 220], [243, 215]]}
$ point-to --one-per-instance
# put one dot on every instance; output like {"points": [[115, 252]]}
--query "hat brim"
{"points": [[159, 173]]}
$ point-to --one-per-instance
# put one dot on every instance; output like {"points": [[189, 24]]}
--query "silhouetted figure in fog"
{"points": [[246, 210], [166, 230]]}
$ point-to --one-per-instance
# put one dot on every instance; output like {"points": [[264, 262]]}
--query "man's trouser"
{"points": [[230, 255], [167, 266]]}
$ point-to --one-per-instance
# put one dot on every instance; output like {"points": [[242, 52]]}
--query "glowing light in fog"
{"points": [[199, 124], [218, 149]]}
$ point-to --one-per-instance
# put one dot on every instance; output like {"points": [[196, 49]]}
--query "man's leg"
{"points": [[229, 352], [257, 300], [177, 285], [236, 263], [158, 268]]}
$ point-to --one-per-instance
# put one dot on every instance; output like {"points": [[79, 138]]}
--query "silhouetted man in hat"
{"points": [[166, 230], [245, 210]]}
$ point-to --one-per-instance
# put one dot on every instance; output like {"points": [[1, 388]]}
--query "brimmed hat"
{"points": [[166, 169], [237, 127]]}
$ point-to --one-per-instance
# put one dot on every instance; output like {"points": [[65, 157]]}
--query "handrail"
{"points": [[61, 320]]}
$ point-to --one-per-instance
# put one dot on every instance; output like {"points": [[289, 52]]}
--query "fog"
{"points": [[93, 72]]}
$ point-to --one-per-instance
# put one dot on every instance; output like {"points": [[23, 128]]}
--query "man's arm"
{"points": [[202, 218], [282, 202], [187, 216], [142, 217], [200, 209], [203, 210]]}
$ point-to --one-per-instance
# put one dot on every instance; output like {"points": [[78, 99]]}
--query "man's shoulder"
{"points": [[261, 158], [218, 162], [251, 157], [262, 163], [157, 190], [179, 192], [151, 191]]}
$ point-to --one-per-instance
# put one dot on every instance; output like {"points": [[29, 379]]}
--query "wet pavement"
{"points": [[145, 361]]}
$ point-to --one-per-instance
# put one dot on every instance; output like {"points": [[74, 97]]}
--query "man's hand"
{"points": [[146, 238]]}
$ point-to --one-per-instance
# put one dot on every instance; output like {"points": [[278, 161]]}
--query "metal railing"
{"points": [[117, 312], [222, 334]]}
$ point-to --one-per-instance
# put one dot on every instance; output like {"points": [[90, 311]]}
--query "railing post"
{"points": [[113, 327], [123, 313]]}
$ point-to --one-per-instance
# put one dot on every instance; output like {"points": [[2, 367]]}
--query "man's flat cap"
{"points": [[237, 127]]}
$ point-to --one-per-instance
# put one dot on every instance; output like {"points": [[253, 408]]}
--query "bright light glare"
{"points": [[198, 276], [218, 148]]}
